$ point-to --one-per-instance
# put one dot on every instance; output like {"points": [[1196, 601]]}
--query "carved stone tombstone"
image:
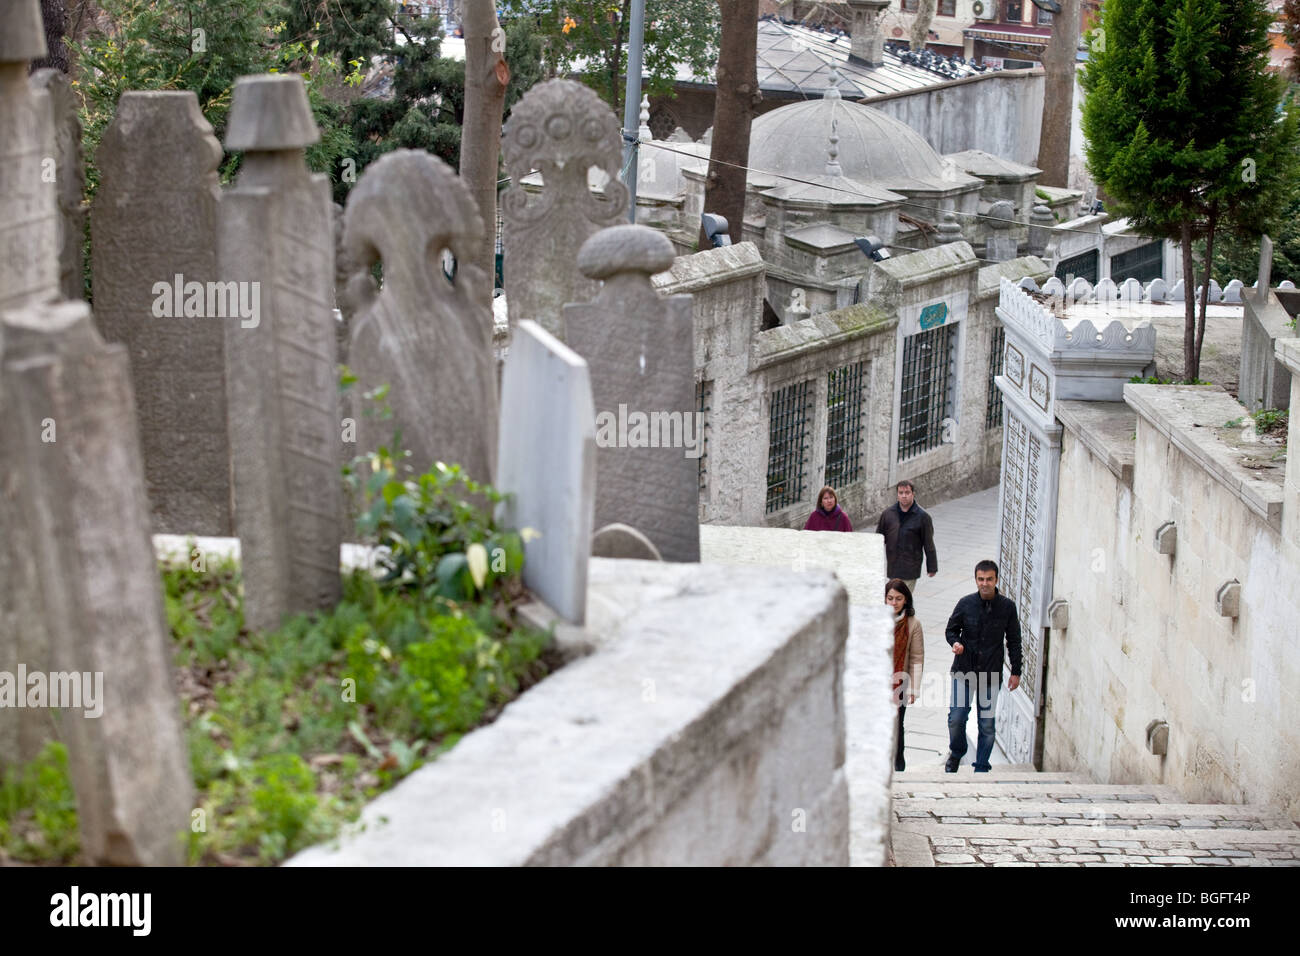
{"points": [[29, 228], [69, 173], [78, 562], [275, 242], [428, 333], [153, 257], [562, 129], [548, 465], [641, 350]]}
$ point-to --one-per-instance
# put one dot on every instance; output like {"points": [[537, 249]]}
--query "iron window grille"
{"points": [[926, 400], [1143, 263], [844, 388], [703, 399], [1083, 266], [993, 411], [947, 8], [787, 445]]}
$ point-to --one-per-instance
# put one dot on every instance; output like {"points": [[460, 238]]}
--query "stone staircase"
{"points": [[1017, 816]]}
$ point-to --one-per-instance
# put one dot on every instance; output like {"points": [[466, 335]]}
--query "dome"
{"points": [[874, 147]]}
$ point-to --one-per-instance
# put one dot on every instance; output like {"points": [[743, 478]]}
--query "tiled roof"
{"points": [[795, 59]]}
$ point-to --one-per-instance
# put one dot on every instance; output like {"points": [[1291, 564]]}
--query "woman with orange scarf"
{"points": [[909, 653]]}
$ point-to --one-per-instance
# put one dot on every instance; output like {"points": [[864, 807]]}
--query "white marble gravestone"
{"points": [[547, 464]]}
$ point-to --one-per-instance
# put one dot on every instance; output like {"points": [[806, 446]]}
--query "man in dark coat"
{"points": [[979, 625], [908, 532]]}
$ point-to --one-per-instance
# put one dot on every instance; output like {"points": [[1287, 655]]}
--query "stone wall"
{"points": [[1145, 639], [742, 366], [997, 112], [1264, 381], [707, 728]]}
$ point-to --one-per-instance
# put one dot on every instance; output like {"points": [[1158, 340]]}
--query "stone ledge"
{"points": [[1288, 353], [703, 269], [585, 767], [819, 332], [1107, 429], [1190, 416]]}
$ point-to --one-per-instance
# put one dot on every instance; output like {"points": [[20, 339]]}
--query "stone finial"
{"points": [[949, 230], [833, 167], [270, 112], [625, 249], [643, 133], [1227, 599], [1167, 538], [22, 34], [1041, 222], [1158, 737], [833, 91]]}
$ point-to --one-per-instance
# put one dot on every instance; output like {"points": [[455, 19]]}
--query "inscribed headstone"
{"points": [[276, 244], [76, 524], [562, 129], [153, 258], [69, 172], [640, 347]]}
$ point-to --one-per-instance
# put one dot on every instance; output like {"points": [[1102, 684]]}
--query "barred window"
{"points": [[787, 445], [947, 8], [926, 400], [1082, 266], [844, 387], [1143, 263], [993, 412], [703, 399]]}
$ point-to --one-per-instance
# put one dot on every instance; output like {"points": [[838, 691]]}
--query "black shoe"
{"points": [[899, 766], [951, 765]]}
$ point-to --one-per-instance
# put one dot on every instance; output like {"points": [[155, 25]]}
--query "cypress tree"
{"points": [[1185, 128]]}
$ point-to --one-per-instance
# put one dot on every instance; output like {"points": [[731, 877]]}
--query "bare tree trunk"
{"points": [[1205, 292], [1058, 97], [486, 76], [733, 112], [921, 24], [55, 15], [1189, 308]]}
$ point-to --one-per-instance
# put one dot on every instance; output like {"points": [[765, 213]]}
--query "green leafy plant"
{"points": [[38, 810]]}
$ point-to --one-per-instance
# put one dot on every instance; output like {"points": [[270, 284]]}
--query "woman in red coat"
{"points": [[827, 516]]}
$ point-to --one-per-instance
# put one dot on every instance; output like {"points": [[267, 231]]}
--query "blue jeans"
{"points": [[983, 690]]}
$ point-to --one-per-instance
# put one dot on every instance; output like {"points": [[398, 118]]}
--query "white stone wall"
{"points": [[707, 728], [1144, 640]]}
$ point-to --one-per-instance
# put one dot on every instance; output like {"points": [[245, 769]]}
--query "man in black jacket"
{"points": [[908, 531], [976, 630]]}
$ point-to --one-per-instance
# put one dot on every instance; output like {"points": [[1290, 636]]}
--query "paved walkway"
{"points": [[965, 531]]}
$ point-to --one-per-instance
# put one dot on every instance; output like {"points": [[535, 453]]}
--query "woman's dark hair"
{"points": [[899, 585], [821, 494]]}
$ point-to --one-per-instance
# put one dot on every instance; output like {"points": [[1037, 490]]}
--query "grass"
{"points": [[291, 732]]}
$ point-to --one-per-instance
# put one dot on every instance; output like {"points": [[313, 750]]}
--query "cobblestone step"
{"points": [[1114, 814], [1002, 845], [1007, 773], [1048, 791]]}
